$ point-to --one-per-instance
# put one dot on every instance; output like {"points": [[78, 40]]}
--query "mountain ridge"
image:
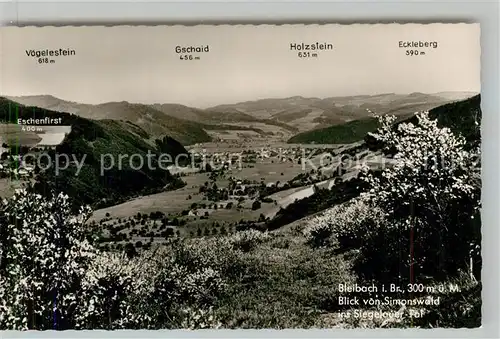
{"points": [[355, 130], [295, 114], [88, 141]]}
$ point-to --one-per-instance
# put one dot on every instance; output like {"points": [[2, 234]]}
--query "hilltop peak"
{"points": [[414, 94]]}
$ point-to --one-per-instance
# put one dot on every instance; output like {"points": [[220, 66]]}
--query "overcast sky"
{"points": [[139, 64]]}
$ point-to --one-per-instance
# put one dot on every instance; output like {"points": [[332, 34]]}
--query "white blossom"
{"points": [[349, 218], [43, 254], [248, 239], [431, 166]]}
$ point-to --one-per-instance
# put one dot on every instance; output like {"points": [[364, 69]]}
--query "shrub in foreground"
{"points": [[431, 198]]}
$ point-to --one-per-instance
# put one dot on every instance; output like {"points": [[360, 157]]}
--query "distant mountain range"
{"points": [[336, 110], [296, 114], [453, 113]]}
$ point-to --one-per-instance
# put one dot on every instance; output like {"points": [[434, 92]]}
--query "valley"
{"points": [[249, 161]]}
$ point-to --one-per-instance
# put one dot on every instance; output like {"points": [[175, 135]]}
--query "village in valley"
{"points": [[228, 185]]}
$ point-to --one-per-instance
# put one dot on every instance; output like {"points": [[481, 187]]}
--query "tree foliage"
{"points": [[45, 253], [430, 192], [52, 276]]}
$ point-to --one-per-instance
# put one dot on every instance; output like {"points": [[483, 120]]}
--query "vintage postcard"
{"points": [[240, 177]]}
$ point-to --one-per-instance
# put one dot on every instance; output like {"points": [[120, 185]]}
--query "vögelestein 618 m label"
{"points": [[49, 56]]}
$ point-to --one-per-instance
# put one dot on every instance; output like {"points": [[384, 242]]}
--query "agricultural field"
{"points": [[272, 167]]}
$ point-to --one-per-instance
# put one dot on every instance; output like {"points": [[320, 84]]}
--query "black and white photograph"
{"points": [[240, 177]]}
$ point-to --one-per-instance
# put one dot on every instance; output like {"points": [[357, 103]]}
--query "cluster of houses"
{"points": [[15, 166], [290, 154], [237, 191], [216, 160], [230, 159]]}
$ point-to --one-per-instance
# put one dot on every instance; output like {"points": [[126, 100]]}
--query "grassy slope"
{"points": [[349, 132], [291, 285], [319, 201], [291, 115], [460, 117], [159, 124], [285, 285], [118, 183], [220, 114], [222, 127]]}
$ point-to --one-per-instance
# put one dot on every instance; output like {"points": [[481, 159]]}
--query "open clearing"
{"points": [[166, 202]]}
